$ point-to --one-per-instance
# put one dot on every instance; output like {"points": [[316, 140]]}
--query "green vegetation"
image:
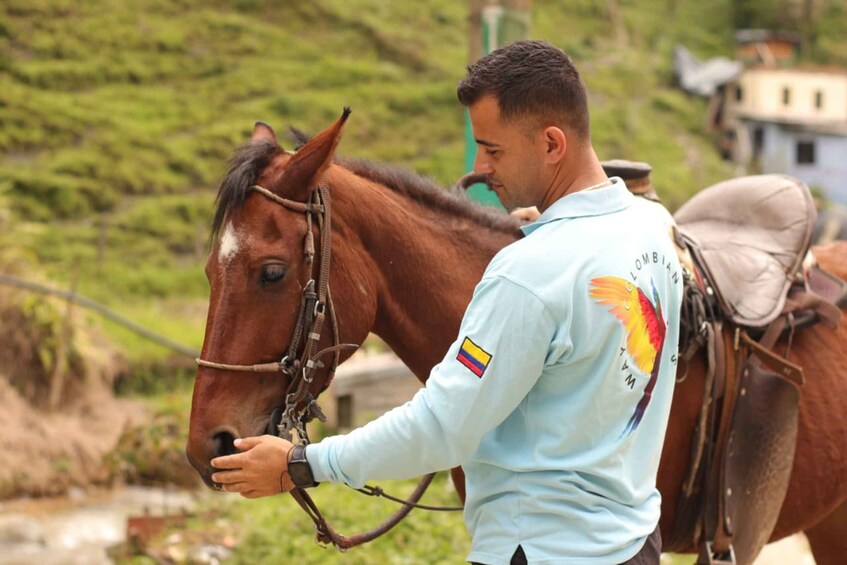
{"points": [[278, 530], [116, 119]]}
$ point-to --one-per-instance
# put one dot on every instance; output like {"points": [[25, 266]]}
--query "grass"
{"points": [[117, 119], [276, 530]]}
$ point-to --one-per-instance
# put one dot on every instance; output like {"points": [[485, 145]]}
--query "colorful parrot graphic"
{"points": [[645, 329]]}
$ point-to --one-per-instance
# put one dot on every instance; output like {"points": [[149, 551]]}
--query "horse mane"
{"points": [[421, 189], [427, 192], [249, 161]]}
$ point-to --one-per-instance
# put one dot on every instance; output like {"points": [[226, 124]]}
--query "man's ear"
{"points": [[555, 144]]}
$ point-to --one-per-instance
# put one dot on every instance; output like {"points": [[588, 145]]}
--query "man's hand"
{"points": [[526, 215], [261, 469]]}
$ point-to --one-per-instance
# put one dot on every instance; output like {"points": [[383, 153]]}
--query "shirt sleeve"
{"points": [[503, 344]]}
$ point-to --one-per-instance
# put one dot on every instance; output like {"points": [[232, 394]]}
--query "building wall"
{"points": [[779, 155], [366, 388], [762, 95]]}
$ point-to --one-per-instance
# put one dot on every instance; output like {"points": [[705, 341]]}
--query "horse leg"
{"points": [[828, 537]]}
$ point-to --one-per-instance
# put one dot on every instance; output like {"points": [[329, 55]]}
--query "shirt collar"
{"points": [[585, 203]]}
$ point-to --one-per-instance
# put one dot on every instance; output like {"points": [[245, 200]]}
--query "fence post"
{"points": [[60, 365]]}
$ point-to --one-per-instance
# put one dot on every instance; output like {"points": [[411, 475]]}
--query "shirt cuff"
{"points": [[315, 455]]}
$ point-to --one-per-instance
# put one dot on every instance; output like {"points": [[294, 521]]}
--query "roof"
{"points": [[803, 68], [703, 77], [824, 128], [758, 35]]}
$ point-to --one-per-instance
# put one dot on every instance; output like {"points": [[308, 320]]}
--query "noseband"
{"points": [[300, 405]]}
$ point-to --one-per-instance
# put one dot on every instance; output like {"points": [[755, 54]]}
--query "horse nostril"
{"points": [[224, 443]]}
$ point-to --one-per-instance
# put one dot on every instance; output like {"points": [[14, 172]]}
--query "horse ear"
{"points": [[263, 132], [299, 137], [303, 172]]}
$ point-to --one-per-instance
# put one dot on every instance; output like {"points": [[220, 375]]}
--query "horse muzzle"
{"points": [[200, 454]]}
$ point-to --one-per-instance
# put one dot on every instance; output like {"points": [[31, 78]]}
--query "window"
{"points": [[819, 99], [344, 410], [739, 93], [786, 96], [805, 152]]}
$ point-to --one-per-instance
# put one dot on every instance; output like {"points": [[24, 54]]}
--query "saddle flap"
{"points": [[752, 234], [759, 458]]}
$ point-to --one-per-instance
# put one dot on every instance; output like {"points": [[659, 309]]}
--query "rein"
{"points": [[300, 405]]}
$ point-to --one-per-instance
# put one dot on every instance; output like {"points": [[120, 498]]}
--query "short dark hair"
{"points": [[530, 79]]}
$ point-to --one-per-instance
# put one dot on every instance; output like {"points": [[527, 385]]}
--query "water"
{"points": [[78, 528]]}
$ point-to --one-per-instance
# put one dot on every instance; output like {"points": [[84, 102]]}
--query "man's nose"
{"points": [[481, 165]]}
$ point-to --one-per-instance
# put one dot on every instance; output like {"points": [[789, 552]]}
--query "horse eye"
{"points": [[272, 273]]}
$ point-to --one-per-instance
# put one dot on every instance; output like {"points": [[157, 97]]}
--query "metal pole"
{"points": [[492, 24]]}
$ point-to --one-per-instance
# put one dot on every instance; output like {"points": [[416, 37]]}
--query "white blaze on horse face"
{"points": [[229, 244]]}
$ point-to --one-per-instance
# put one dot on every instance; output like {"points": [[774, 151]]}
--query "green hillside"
{"points": [[116, 118]]}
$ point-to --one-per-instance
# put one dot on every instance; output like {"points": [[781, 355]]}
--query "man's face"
{"points": [[508, 155]]}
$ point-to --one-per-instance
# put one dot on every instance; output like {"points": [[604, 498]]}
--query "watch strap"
{"points": [[299, 468]]}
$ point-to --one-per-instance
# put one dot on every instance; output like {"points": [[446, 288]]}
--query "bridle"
{"points": [[300, 405]]}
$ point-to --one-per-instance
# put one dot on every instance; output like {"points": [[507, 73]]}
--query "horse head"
{"points": [[269, 273]]}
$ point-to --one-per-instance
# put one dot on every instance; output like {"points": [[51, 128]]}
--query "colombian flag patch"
{"points": [[473, 357]]}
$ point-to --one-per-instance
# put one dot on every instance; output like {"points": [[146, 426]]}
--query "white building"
{"points": [[787, 120]]}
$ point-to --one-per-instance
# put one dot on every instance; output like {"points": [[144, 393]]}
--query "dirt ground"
{"points": [[47, 452], [792, 550], [58, 413]]}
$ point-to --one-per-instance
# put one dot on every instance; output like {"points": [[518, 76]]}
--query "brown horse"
{"points": [[405, 258]]}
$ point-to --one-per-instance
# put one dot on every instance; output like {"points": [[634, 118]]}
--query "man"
{"points": [[555, 396]]}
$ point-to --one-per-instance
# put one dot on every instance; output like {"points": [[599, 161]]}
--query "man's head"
{"points": [[528, 107], [534, 83]]}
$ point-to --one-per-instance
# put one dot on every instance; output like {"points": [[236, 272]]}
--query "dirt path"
{"points": [[792, 550]]}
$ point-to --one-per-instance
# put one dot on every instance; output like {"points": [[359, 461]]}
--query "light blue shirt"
{"points": [[537, 398]]}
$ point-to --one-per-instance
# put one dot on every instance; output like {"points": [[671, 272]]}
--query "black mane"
{"points": [[244, 169], [249, 161]]}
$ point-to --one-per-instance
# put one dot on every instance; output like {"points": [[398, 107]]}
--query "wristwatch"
{"points": [[299, 469]]}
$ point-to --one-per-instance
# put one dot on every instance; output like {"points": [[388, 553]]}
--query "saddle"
{"points": [[748, 237], [749, 280], [751, 234]]}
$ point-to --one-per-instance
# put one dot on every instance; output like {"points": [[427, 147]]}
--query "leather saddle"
{"points": [[744, 246], [751, 234]]}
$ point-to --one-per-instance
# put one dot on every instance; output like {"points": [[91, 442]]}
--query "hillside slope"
{"points": [[117, 118]]}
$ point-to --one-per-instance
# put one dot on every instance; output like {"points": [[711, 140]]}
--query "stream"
{"points": [[79, 527]]}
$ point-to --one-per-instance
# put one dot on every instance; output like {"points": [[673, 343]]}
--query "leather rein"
{"points": [[301, 405]]}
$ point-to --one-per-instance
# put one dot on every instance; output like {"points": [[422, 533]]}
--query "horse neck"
{"points": [[425, 264]]}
